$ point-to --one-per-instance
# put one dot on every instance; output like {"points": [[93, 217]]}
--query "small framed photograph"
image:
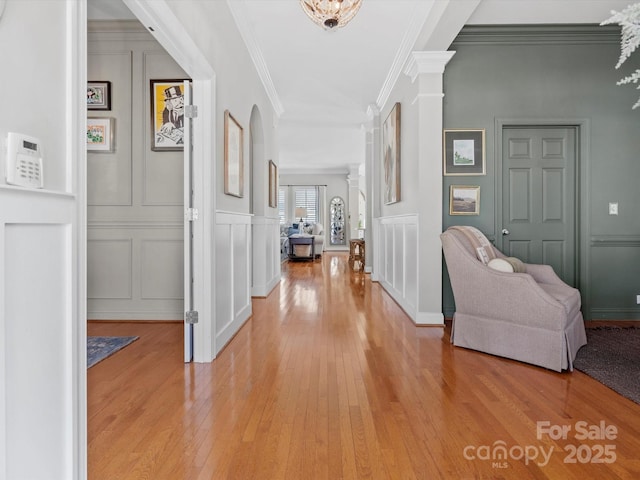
{"points": [[464, 200], [464, 152], [99, 95], [273, 184], [233, 158], [100, 135], [167, 115]]}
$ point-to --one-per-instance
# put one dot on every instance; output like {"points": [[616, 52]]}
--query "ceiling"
{"points": [[322, 83]]}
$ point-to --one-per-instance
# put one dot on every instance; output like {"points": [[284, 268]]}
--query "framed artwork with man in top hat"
{"points": [[167, 115]]}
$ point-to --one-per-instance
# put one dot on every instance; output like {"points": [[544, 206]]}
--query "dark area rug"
{"points": [[99, 348], [612, 356]]}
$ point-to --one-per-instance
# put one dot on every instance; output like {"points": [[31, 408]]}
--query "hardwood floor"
{"points": [[330, 380]]}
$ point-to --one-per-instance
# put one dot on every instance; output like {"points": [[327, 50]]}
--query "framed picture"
{"points": [[464, 200], [100, 135], [464, 152], [233, 159], [167, 115], [273, 184], [391, 156], [99, 95]]}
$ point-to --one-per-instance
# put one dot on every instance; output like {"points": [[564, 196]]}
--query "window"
{"points": [[282, 195], [307, 197]]}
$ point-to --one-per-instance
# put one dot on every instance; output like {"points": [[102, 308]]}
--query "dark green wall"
{"points": [[547, 73]]}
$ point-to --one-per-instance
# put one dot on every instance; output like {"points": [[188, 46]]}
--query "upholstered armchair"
{"points": [[531, 316]]}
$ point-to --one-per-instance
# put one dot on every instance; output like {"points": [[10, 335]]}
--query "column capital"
{"points": [[426, 62], [353, 178]]}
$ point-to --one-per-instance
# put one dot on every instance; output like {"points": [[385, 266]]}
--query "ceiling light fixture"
{"points": [[330, 14]]}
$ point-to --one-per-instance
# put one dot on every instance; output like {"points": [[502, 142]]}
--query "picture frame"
{"points": [[167, 115], [464, 200], [100, 135], [273, 184], [233, 156], [464, 152], [391, 156], [99, 95]]}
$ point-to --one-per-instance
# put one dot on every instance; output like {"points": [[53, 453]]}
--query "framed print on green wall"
{"points": [[464, 152]]}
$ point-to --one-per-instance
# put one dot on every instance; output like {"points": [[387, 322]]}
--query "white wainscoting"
{"points": [[232, 265], [135, 271], [396, 259], [38, 328], [266, 255]]}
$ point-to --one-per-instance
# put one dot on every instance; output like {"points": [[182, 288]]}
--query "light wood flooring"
{"points": [[330, 380]]}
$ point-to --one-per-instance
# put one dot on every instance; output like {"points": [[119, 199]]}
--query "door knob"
{"points": [[505, 231]]}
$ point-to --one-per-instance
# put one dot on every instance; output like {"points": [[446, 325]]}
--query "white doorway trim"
{"points": [[161, 22]]}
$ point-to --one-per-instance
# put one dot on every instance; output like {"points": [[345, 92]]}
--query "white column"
{"points": [[353, 179], [427, 69], [372, 192]]}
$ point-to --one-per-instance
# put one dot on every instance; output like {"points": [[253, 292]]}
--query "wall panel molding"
{"points": [[397, 239], [155, 287], [265, 239], [110, 269], [134, 194], [615, 240], [158, 279], [232, 252], [135, 225]]}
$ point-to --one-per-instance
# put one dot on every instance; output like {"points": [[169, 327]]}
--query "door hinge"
{"points": [[191, 111], [191, 317], [191, 214]]}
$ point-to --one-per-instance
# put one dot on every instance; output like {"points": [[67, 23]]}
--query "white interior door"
{"points": [[191, 315]]}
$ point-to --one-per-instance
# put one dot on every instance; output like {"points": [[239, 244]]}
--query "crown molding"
{"points": [[117, 29], [373, 111], [238, 12], [406, 45], [427, 62], [537, 35]]}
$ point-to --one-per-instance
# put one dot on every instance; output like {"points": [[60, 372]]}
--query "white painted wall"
{"points": [[265, 230], [239, 88], [42, 246]]}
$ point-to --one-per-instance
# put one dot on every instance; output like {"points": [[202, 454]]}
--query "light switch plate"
{"points": [[613, 208]]}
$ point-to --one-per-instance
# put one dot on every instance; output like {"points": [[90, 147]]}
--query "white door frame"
{"points": [[173, 37]]}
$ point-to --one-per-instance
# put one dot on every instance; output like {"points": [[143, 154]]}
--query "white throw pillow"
{"points": [[317, 229], [507, 264]]}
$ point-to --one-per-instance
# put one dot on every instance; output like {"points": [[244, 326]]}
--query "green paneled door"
{"points": [[539, 197]]}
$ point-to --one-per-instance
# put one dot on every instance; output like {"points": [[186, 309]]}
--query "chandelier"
{"points": [[331, 13]]}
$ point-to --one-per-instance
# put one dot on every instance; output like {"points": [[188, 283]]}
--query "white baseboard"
{"points": [[429, 318], [125, 316], [265, 290]]}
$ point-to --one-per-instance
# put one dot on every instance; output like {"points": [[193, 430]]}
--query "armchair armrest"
{"points": [[543, 274]]}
